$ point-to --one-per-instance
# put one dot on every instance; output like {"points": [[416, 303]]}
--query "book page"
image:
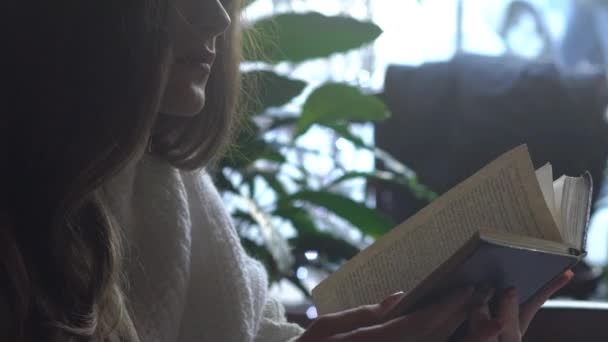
{"points": [[558, 190], [544, 175], [504, 196], [575, 208]]}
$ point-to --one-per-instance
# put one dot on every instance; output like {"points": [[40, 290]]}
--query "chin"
{"points": [[186, 103]]}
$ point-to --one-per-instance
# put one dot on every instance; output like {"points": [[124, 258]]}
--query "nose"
{"points": [[222, 19], [211, 17]]}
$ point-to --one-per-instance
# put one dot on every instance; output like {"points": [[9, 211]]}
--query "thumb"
{"points": [[529, 309], [346, 321]]}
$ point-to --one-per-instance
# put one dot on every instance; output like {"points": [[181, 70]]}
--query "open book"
{"points": [[507, 225]]}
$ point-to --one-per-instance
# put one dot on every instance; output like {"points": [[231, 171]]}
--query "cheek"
{"points": [[185, 92]]}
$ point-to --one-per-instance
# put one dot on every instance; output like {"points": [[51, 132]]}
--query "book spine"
{"points": [[589, 180]]}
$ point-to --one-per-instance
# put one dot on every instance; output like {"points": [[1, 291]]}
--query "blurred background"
{"points": [[360, 112]]}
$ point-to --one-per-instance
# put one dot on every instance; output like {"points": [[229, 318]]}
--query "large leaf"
{"points": [[249, 147], [343, 130], [337, 103], [282, 122], [243, 216], [332, 248], [241, 156], [311, 238], [299, 218], [224, 183], [373, 176], [299, 284], [369, 221], [420, 191], [296, 37], [270, 89], [273, 182], [276, 244]]}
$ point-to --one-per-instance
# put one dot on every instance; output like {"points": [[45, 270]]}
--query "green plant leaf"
{"points": [[275, 243], [273, 182], [343, 130], [240, 156], [411, 184], [389, 162], [336, 103], [336, 250], [271, 153], [297, 37], [249, 147], [299, 284], [282, 122], [377, 175], [243, 216], [270, 89], [311, 238], [369, 221], [299, 218], [224, 183]]}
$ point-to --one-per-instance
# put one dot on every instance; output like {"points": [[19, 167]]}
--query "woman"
{"points": [[106, 233]]}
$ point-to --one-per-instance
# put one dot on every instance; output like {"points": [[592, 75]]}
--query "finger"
{"points": [[440, 319], [341, 322], [401, 329], [529, 309], [479, 316], [348, 320], [434, 315], [481, 325], [398, 329], [447, 328], [487, 331], [481, 309], [508, 315]]}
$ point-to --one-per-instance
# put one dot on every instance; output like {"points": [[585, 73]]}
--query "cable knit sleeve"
{"points": [[274, 327]]}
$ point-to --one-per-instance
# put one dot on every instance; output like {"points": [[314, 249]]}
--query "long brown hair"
{"points": [[84, 82]]}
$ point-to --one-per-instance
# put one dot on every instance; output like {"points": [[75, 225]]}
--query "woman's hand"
{"points": [[513, 320], [434, 323]]}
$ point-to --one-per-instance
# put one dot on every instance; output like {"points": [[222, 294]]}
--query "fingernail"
{"points": [[483, 295], [391, 300], [568, 275]]}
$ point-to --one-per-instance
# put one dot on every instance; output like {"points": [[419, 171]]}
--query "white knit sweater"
{"points": [[190, 278]]}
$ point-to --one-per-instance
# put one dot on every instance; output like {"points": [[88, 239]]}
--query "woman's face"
{"points": [[195, 26]]}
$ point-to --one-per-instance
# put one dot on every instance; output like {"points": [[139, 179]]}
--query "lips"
{"points": [[196, 59]]}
